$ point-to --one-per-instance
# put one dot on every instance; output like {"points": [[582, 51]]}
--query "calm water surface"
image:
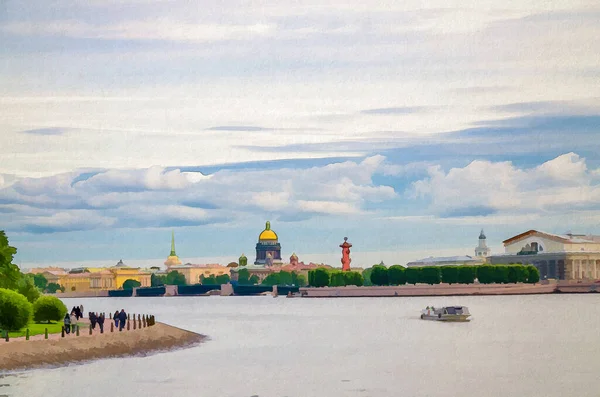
{"points": [[260, 346]]}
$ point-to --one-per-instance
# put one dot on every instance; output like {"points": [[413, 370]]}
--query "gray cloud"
{"points": [[239, 128], [395, 110], [47, 131]]}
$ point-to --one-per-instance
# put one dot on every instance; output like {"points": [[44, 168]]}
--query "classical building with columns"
{"points": [[564, 257]]}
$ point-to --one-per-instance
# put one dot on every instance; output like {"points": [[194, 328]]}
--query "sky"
{"points": [[406, 126]]}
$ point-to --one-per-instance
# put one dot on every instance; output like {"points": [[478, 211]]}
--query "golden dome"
{"points": [[268, 234]]}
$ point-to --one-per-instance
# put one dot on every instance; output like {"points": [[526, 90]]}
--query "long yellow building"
{"points": [[96, 279]]}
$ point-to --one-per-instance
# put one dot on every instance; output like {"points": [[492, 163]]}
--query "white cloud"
{"points": [[486, 186]]}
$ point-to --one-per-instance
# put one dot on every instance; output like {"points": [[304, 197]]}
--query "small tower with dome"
{"points": [[268, 249], [482, 250]]}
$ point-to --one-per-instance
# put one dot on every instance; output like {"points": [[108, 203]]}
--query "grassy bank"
{"points": [[39, 329]]}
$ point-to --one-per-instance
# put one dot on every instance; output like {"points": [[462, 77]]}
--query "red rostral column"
{"points": [[346, 255]]}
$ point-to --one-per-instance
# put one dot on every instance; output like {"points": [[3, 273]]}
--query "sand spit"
{"points": [[21, 354]]}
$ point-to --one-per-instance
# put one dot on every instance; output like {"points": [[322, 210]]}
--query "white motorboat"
{"points": [[447, 313]]}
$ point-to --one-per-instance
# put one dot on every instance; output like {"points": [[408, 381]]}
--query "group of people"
{"points": [[70, 320], [120, 319]]}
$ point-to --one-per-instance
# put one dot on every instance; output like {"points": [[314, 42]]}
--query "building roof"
{"points": [[566, 238]]}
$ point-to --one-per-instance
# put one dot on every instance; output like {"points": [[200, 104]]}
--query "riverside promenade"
{"points": [[22, 354]]}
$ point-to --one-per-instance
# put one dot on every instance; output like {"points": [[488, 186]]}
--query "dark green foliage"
{"points": [[222, 279], [9, 273], [175, 278], [466, 274], [353, 278], [450, 274], [413, 275], [157, 280], [52, 288], [244, 278], [517, 274], [40, 281], [285, 278], [501, 274], [379, 275], [431, 275], [253, 279], [15, 310], [131, 284], [48, 308], [367, 276], [396, 275], [486, 274], [319, 277], [534, 274], [26, 288], [336, 278]]}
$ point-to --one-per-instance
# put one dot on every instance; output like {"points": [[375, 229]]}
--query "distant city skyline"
{"points": [[405, 127]]}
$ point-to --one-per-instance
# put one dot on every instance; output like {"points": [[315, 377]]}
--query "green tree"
{"points": [[48, 308], [175, 278], [367, 276], [379, 275], [222, 279], [320, 277], [501, 274], [413, 275], [353, 278], [131, 284], [157, 280], [298, 279], [26, 288], [534, 274], [53, 287], [336, 278], [9, 273], [253, 279], [396, 275], [450, 274], [431, 275], [466, 274], [208, 280], [271, 279], [40, 281], [15, 310], [486, 274]]}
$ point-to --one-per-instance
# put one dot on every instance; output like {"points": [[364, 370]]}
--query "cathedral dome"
{"points": [[268, 234]]}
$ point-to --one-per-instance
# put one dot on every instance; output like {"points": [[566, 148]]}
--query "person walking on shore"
{"points": [[122, 319], [101, 322], [81, 310], [73, 322], [67, 323], [116, 319], [93, 319]]}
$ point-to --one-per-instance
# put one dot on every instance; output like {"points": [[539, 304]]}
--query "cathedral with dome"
{"points": [[268, 249]]}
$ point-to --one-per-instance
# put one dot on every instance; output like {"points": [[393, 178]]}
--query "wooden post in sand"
{"points": [[139, 321], [144, 321], [45, 333], [134, 321], [27, 334], [77, 330], [90, 329], [6, 335], [128, 324], [62, 332]]}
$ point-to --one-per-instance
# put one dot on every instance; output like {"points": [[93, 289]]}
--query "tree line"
{"points": [[399, 275], [20, 300]]}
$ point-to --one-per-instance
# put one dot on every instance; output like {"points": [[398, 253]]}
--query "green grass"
{"points": [[39, 328]]}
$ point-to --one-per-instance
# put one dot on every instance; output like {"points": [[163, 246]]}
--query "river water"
{"points": [[545, 345]]}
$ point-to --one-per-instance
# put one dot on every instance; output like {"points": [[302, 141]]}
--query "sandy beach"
{"points": [[19, 353]]}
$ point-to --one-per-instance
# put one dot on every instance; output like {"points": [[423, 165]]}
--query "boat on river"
{"points": [[447, 313]]}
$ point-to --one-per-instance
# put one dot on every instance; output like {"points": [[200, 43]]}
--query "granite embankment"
{"points": [[19, 354], [448, 290]]}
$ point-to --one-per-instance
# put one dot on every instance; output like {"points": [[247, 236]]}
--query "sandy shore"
{"points": [[56, 351]]}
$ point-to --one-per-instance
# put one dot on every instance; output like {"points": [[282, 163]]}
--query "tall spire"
{"points": [[173, 244]]}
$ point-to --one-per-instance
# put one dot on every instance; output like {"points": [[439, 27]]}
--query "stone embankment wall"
{"points": [[428, 290]]}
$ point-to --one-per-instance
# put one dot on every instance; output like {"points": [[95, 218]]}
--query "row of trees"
{"points": [[20, 299], [322, 277], [285, 278], [485, 274], [398, 275]]}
